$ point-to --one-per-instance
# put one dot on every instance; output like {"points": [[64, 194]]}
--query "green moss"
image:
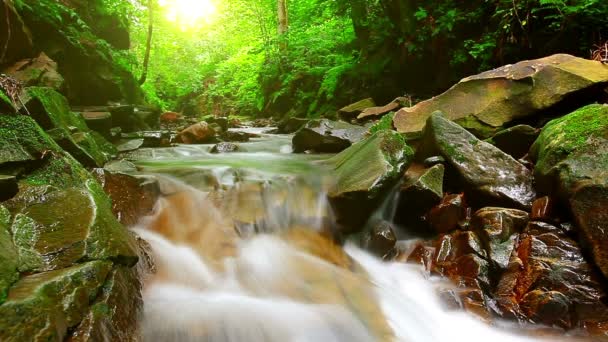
{"points": [[8, 255], [386, 122], [53, 110]]}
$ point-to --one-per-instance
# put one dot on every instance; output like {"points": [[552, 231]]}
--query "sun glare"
{"points": [[189, 13]]}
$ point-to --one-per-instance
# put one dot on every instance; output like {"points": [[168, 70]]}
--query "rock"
{"points": [[132, 197], [374, 112], [351, 111], [114, 315], [364, 171], [222, 122], [230, 136], [51, 111], [460, 257], [262, 122], [19, 44], [515, 141], [224, 147], [88, 65], [381, 239], [101, 122], [326, 136], [548, 281], [422, 189], [498, 230], [8, 187], [45, 305], [22, 141], [571, 157], [487, 102], [199, 133], [150, 139], [170, 117], [490, 176], [291, 125], [8, 255], [127, 145], [121, 165], [40, 71], [542, 209], [434, 160], [448, 215]]}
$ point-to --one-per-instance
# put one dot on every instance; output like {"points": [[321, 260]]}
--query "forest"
{"points": [[304, 170]]}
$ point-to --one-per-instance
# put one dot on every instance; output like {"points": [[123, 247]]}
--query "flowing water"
{"points": [[242, 254]]}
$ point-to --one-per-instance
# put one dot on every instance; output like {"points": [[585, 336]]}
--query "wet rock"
{"points": [[422, 255], [19, 44], [542, 209], [449, 214], [150, 139], [515, 141], [40, 71], [8, 187], [326, 136], [199, 133], [374, 112], [351, 111], [127, 145], [470, 300], [434, 160], [291, 125], [571, 157], [89, 148], [498, 229], [22, 140], [548, 281], [489, 175], [122, 165], [381, 239], [421, 191], [8, 255], [224, 147], [221, 122], [170, 118], [100, 122], [230, 136], [486, 102], [262, 122], [45, 305], [132, 197], [114, 315], [461, 258], [364, 171]]}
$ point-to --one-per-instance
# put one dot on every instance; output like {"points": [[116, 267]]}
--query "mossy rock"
{"points": [[22, 140], [45, 306], [327, 136], [489, 175], [8, 255], [116, 312], [571, 157], [485, 103], [363, 172]]}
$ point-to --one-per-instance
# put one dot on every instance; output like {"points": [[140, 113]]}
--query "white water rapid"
{"points": [[275, 277]]}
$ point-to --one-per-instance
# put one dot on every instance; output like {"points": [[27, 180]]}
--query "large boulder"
{"points": [[489, 175], [39, 71], [19, 44], [571, 157], [199, 133], [326, 136], [363, 172], [486, 102]]}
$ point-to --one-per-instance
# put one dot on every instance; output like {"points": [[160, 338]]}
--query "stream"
{"points": [[241, 254]]}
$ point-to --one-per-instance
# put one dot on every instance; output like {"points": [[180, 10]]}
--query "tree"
{"points": [[146, 64]]}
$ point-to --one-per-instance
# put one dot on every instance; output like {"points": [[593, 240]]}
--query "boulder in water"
{"points": [[489, 175], [225, 147], [486, 102], [364, 171], [199, 133], [571, 157], [381, 239], [291, 125], [326, 136]]}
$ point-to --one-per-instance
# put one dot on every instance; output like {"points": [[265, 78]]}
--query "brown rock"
{"points": [[351, 111], [170, 117], [199, 133], [381, 239], [371, 112], [40, 71], [542, 209], [449, 214]]}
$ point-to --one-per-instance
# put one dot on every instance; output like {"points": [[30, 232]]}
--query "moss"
{"points": [[59, 170], [386, 122], [6, 105], [8, 255], [52, 109]]}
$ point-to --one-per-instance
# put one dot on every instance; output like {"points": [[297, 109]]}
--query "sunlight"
{"points": [[189, 13]]}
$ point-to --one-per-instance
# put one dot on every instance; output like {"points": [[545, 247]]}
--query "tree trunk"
{"points": [[282, 15], [144, 74]]}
